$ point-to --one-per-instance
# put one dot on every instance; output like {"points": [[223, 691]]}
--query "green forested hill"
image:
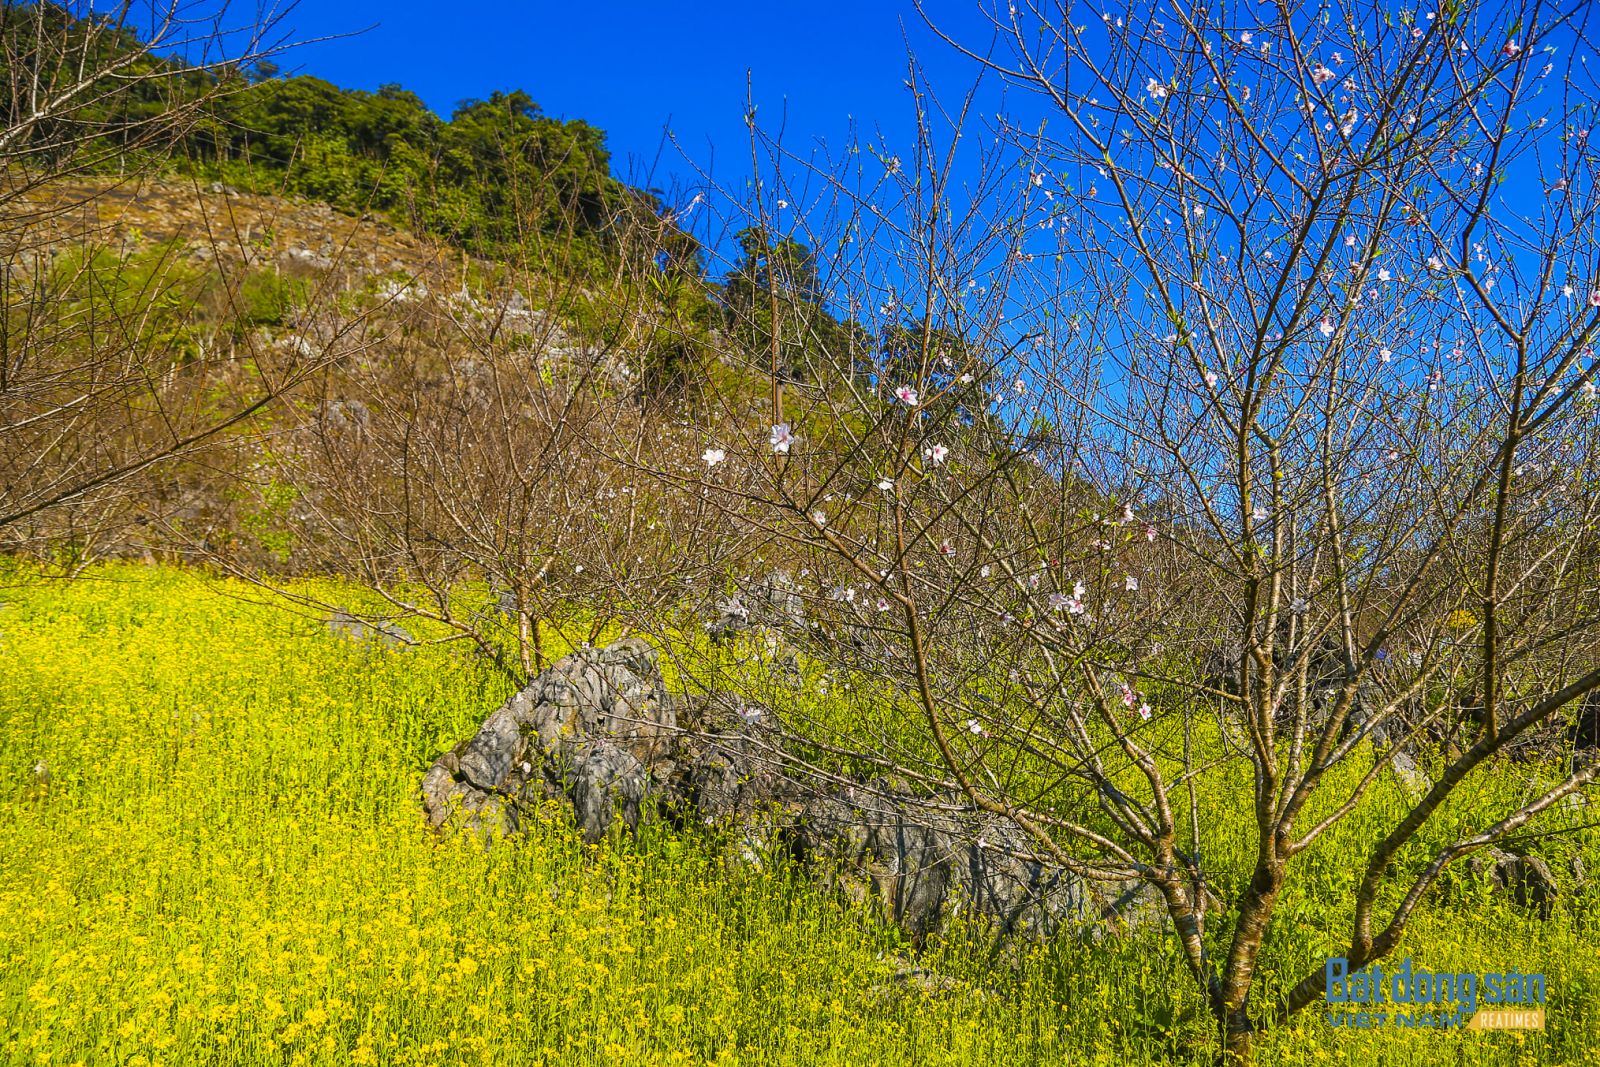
{"points": [[497, 173], [497, 176]]}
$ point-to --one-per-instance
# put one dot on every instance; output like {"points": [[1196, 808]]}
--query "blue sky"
{"points": [[631, 68]]}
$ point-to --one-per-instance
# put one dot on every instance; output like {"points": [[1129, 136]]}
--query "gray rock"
{"points": [[598, 734], [1410, 773], [1528, 879], [389, 634], [314, 260], [930, 870], [771, 602], [345, 414], [584, 731], [729, 616], [609, 781]]}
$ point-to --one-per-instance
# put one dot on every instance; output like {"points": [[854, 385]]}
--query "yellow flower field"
{"points": [[214, 855]]}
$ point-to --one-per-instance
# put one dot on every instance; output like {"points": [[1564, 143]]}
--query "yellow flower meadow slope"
{"points": [[213, 854]]}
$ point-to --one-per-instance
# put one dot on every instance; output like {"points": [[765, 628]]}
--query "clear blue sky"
{"points": [[631, 68]]}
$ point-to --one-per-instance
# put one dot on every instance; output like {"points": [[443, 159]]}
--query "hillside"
{"points": [[206, 220], [1102, 571], [372, 311]]}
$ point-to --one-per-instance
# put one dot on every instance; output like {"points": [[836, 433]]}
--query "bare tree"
{"points": [[98, 383], [85, 85], [477, 467], [1226, 460]]}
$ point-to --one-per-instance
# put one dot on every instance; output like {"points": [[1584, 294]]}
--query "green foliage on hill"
{"points": [[498, 177]]}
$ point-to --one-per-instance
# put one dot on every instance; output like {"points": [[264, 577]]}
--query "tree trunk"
{"points": [[1237, 1039]]}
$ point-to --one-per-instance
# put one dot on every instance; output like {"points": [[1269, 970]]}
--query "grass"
{"points": [[229, 866]]}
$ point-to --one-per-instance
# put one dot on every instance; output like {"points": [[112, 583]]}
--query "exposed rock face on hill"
{"points": [[599, 734]]}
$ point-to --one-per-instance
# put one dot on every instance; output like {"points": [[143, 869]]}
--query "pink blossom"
{"points": [[906, 395], [936, 453], [781, 438]]}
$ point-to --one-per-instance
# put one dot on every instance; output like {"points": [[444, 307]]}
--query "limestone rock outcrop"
{"points": [[598, 734]]}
